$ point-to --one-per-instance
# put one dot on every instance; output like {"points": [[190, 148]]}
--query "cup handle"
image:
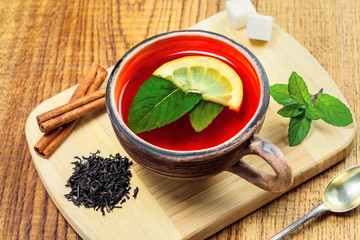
{"points": [[274, 157]]}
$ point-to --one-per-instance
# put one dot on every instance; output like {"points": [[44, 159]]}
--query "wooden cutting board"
{"points": [[169, 209]]}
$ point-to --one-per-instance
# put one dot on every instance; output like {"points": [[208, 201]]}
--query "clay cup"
{"points": [[227, 156]]}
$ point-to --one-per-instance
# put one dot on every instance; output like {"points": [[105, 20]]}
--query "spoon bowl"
{"points": [[341, 194]]}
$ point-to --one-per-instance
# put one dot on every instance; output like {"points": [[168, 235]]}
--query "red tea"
{"points": [[180, 135]]}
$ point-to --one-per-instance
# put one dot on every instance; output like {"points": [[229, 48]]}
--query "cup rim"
{"points": [[226, 146]]}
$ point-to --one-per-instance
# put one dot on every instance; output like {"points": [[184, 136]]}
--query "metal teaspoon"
{"points": [[341, 194]]}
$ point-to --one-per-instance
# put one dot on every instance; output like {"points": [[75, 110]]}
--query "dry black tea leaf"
{"points": [[98, 182]]}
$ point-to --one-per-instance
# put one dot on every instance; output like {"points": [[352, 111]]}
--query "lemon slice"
{"points": [[215, 80]]}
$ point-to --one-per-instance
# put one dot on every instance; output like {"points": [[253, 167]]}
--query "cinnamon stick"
{"points": [[51, 140], [71, 111], [85, 84], [99, 80], [45, 141]]}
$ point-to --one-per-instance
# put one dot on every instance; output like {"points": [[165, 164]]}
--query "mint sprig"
{"points": [[302, 108], [159, 102]]}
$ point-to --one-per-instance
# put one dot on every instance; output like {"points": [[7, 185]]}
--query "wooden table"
{"points": [[46, 47]]}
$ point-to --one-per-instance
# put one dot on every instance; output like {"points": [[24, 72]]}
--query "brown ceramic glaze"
{"points": [[190, 165]]}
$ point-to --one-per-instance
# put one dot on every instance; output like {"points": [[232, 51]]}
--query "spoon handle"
{"points": [[316, 211]]}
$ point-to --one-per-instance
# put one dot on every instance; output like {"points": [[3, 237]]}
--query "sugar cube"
{"points": [[238, 12], [259, 27]]}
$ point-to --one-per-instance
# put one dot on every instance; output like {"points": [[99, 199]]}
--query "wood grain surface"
{"points": [[47, 46]]}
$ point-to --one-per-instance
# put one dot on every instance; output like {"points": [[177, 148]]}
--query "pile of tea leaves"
{"points": [[100, 183]]}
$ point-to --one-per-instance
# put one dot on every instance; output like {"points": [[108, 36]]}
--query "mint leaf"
{"points": [[334, 111], [203, 114], [292, 110], [302, 107], [312, 113], [298, 90], [280, 94], [298, 129], [158, 103]]}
